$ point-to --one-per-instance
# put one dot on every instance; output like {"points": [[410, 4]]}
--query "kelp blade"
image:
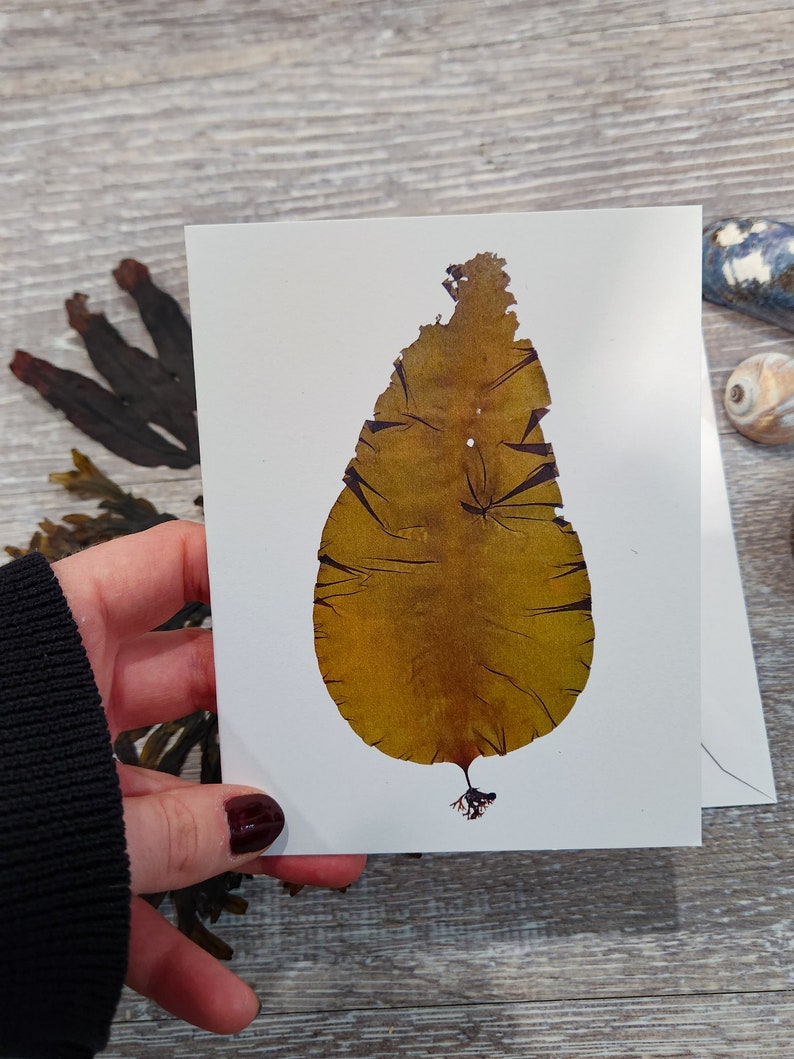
{"points": [[99, 413], [452, 609]]}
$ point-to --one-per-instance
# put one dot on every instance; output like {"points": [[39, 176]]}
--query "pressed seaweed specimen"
{"points": [[452, 608]]}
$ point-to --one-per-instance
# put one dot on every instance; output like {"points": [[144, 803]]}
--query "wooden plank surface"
{"points": [[715, 1026], [121, 122]]}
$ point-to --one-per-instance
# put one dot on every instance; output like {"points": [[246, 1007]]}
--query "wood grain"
{"points": [[122, 122], [704, 1026]]}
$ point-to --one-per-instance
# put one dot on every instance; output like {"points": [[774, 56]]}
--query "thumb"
{"points": [[191, 832]]}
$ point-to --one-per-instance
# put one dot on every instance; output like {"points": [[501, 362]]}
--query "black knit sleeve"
{"points": [[64, 873]]}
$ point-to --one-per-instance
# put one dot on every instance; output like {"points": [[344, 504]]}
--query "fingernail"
{"points": [[255, 821]]}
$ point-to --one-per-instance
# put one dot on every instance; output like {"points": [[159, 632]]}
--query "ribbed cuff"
{"points": [[64, 872]]}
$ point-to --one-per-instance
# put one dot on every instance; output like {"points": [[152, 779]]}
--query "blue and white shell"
{"points": [[748, 264]]}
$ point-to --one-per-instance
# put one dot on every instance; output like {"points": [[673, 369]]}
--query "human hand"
{"points": [[178, 833]]}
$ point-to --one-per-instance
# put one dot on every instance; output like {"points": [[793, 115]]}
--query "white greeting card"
{"points": [[296, 330], [736, 768]]}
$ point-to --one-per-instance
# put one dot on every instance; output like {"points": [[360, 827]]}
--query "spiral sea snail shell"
{"points": [[759, 398]]}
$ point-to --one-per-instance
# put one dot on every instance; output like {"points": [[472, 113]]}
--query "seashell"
{"points": [[759, 398], [748, 264]]}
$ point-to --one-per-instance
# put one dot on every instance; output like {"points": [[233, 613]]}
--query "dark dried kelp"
{"points": [[207, 900], [167, 747], [140, 380], [164, 320], [146, 394], [99, 413]]}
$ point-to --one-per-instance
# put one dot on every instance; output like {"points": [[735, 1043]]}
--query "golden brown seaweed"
{"points": [[452, 608]]}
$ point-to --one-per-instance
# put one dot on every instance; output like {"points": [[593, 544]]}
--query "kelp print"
{"points": [[452, 608]]}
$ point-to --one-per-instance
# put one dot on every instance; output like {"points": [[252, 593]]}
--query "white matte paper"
{"points": [[296, 326]]}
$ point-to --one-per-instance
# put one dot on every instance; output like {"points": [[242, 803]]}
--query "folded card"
{"points": [[735, 753], [451, 473]]}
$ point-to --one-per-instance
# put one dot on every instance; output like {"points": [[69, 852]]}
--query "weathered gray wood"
{"points": [[121, 122], [700, 1027], [515, 928]]}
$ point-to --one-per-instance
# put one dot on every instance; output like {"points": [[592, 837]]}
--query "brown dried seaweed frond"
{"points": [[144, 395], [166, 747], [121, 514]]}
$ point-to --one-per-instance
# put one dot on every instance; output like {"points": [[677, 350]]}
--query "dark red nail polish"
{"points": [[255, 821]]}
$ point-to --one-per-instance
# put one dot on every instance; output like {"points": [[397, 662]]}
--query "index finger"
{"points": [[133, 584]]}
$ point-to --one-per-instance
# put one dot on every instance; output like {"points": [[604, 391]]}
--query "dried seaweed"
{"points": [[99, 413], [144, 390], [163, 318], [121, 514], [452, 610], [140, 380], [146, 395], [207, 900], [165, 747]]}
